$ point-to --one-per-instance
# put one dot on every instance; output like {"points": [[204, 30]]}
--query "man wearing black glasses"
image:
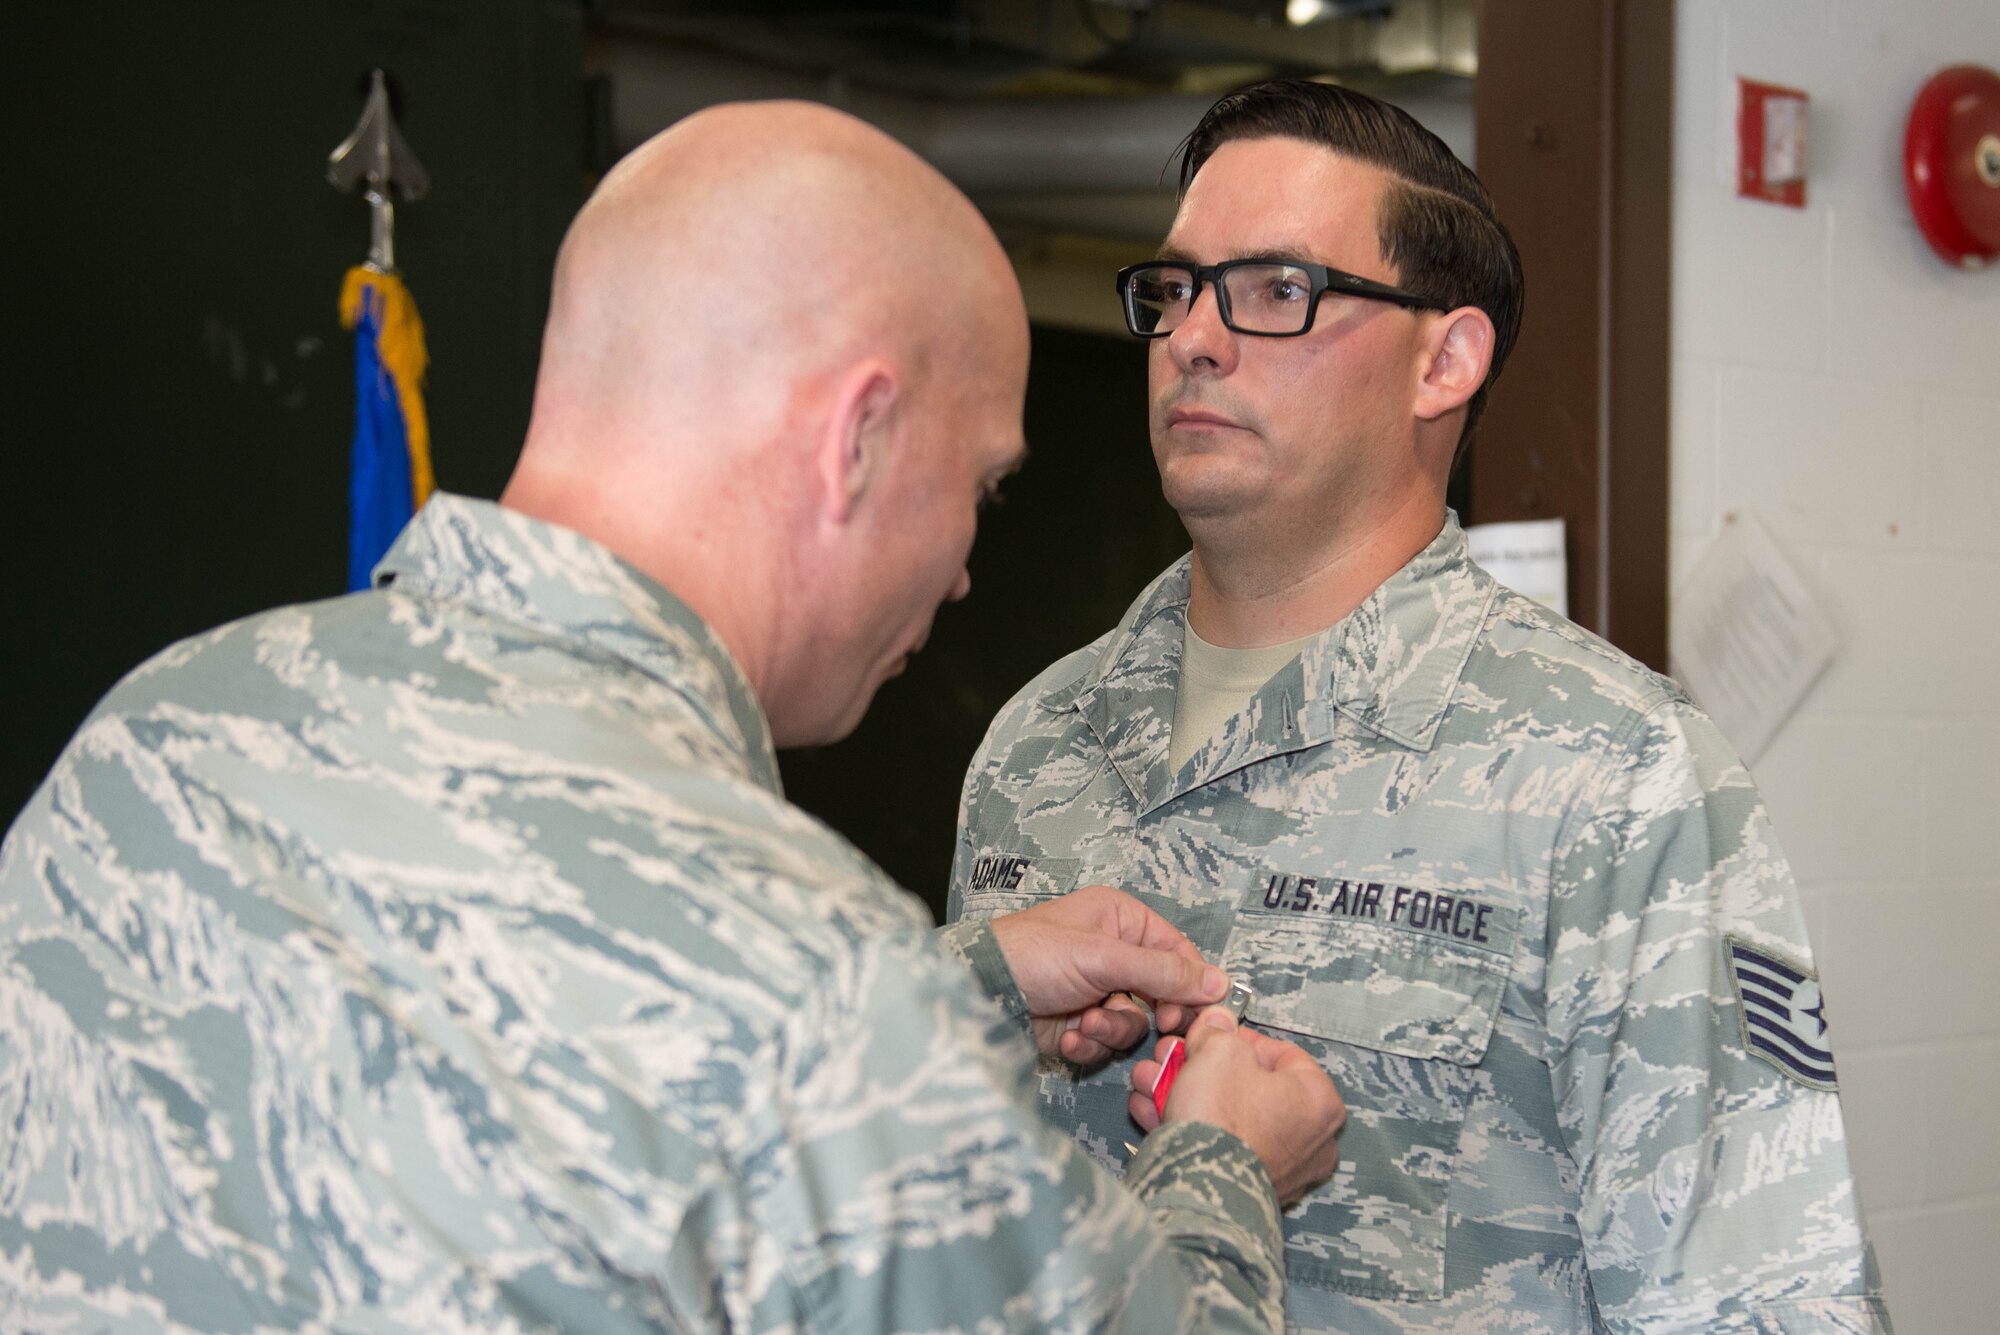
{"points": [[1511, 888]]}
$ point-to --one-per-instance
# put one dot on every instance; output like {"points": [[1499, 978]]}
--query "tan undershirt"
{"points": [[1216, 684]]}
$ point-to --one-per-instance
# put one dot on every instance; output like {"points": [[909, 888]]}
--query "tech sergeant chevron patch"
{"points": [[1783, 1013]]}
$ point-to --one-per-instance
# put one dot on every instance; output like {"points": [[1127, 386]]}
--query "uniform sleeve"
{"points": [[973, 942], [1716, 1190], [900, 1170], [1000, 767], [961, 851]]}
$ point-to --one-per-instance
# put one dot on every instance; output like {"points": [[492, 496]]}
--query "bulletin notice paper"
{"points": [[1528, 557], [1746, 639]]}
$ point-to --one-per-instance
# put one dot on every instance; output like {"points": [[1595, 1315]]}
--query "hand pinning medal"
{"points": [[1174, 1050]]}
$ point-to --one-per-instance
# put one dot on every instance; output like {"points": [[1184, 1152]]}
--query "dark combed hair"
{"points": [[1437, 224]]}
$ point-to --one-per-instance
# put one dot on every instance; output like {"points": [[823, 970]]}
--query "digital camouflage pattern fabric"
{"points": [[1486, 869], [444, 958]]}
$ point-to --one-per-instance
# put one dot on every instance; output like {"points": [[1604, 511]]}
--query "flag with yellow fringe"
{"points": [[389, 475]]}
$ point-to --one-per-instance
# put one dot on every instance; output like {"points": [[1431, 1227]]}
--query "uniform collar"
{"points": [[1394, 663], [1390, 666], [562, 584]]}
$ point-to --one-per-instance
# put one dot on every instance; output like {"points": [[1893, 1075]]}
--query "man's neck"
{"points": [[696, 551], [1250, 587]]}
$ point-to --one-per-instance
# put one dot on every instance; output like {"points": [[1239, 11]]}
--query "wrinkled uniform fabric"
{"points": [[1486, 869], [444, 957]]}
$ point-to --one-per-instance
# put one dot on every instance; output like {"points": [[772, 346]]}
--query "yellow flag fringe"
{"points": [[401, 347]]}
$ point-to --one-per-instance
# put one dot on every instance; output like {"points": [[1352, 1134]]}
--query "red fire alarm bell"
{"points": [[1771, 143], [1951, 164]]}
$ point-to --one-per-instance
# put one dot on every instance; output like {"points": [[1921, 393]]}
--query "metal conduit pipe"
{"points": [[1053, 145], [1094, 166]]}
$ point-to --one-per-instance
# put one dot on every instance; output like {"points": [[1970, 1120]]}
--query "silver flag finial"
{"points": [[375, 157]]}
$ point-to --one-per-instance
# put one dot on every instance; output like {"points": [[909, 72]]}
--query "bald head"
{"points": [[744, 248], [722, 290]]}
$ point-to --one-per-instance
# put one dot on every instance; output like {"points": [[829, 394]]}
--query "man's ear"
{"points": [[854, 437], [1458, 347]]}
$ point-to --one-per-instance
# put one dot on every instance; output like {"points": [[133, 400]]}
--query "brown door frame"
{"points": [[1575, 135]]}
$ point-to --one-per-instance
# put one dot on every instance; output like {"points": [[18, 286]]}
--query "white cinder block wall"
{"points": [[1834, 377]]}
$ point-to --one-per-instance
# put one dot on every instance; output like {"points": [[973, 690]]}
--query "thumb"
{"points": [[1214, 1021], [1161, 975]]}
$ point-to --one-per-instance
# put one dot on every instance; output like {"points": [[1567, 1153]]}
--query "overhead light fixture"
{"points": [[1299, 13]]}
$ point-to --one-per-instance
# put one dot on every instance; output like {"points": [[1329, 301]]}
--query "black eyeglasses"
{"points": [[1270, 297]]}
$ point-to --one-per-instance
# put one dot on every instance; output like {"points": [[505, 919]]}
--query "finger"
{"points": [[1173, 1019], [1141, 1108], [1125, 1001], [1135, 924], [1116, 1028], [1074, 1047], [1143, 1076], [1162, 975]]}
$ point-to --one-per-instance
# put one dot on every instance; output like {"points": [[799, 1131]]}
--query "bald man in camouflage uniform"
{"points": [[1510, 887], [445, 957]]}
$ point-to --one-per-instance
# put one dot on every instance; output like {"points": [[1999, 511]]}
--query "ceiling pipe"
{"points": [[1092, 166]]}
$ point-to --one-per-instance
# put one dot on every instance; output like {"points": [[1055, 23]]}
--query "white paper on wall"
{"points": [[1745, 636], [1528, 557]]}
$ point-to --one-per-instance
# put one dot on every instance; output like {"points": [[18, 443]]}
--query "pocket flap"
{"points": [[1375, 985]]}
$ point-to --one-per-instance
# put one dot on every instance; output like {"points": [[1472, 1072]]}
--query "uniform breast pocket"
{"points": [[1398, 1001], [1004, 882]]}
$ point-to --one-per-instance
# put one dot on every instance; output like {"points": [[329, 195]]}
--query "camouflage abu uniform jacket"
{"points": [[1507, 885], [444, 958]]}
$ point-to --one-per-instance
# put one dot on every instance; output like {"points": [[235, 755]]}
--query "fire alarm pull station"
{"points": [[1951, 164], [1771, 143]]}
